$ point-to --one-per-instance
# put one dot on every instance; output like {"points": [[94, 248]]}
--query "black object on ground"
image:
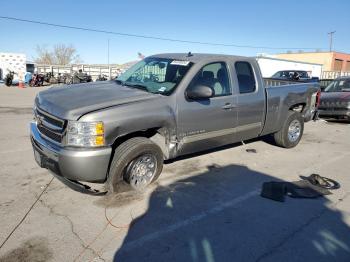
{"points": [[251, 150], [310, 187], [274, 190], [323, 182]]}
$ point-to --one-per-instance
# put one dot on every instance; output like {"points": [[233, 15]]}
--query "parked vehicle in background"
{"points": [[50, 78], [335, 100], [37, 80], [9, 78], [64, 78], [79, 77], [102, 78], [165, 106], [293, 75]]}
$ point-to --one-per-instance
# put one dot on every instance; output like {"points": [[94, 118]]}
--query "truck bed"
{"points": [[281, 96]]}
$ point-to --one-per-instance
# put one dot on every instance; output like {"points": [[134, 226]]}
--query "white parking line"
{"points": [[139, 242]]}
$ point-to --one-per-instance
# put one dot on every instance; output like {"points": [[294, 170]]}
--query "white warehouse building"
{"points": [[13, 62], [270, 65]]}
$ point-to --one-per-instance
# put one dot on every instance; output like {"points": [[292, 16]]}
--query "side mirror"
{"points": [[199, 92]]}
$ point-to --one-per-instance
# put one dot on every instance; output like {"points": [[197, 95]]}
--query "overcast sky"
{"points": [[286, 24]]}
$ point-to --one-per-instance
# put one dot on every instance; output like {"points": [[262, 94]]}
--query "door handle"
{"points": [[228, 106]]}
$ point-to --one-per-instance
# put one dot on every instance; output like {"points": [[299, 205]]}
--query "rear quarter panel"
{"points": [[280, 99]]}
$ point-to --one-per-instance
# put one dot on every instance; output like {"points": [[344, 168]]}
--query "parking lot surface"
{"points": [[203, 208]]}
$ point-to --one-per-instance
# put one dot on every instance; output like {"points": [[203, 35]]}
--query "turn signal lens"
{"points": [[99, 128], [99, 141]]}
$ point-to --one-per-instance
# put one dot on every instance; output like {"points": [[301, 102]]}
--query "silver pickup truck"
{"points": [[165, 106]]}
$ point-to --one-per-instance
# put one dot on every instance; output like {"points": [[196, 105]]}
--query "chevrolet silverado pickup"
{"points": [[165, 106]]}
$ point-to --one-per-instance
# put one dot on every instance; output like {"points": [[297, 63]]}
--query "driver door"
{"points": [[208, 123]]}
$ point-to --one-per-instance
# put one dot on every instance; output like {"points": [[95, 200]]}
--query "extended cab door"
{"points": [[208, 123], [250, 99]]}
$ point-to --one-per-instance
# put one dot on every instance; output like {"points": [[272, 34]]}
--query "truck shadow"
{"points": [[219, 216]]}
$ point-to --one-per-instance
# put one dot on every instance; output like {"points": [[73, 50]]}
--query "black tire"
{"points": [[125, 154], [282, 138], [8, 82]]}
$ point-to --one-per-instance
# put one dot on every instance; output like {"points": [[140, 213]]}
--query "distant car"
{"points": [[335, 100], [295, 75]]}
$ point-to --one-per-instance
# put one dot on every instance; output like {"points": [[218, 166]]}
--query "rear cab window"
{"points": [[245, 77]]}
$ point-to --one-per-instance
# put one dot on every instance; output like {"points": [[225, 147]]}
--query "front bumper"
{"points": [[330, 113], [87, 165]]}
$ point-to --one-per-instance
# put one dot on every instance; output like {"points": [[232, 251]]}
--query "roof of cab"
{"points": [[197, 57]]}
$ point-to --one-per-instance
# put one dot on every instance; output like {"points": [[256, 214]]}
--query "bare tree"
{"points": [[44, 56], [60, 55]]}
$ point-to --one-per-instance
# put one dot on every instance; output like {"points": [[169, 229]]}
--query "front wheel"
{"points": [[291, 132], [138, 161]]}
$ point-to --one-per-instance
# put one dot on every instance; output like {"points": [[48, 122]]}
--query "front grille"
{"points": [[49, 126], [50, 134], [50, 119]]}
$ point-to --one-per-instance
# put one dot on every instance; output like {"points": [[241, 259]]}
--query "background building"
{"points": [[269, 66], [331, 61], [12, 62]]}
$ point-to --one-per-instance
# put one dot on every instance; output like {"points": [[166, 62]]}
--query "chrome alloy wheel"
{"points": [[142, 170], [294, 130]]}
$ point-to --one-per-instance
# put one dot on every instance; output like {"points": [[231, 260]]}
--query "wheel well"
{"points": [[151, 132], [297, 107], [143, 133]]}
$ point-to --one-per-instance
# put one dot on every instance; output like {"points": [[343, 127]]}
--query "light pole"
{"points": [[109, 68], [108, 52], [331, 40]]}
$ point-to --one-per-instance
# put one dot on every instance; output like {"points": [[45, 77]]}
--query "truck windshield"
{"points": [[340, 85], [155, 75]]}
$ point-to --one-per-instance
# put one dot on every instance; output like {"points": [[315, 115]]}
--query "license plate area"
{"points": [[38, 157]]}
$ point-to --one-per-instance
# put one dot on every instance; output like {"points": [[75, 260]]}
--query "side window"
{"points": [[245, 76], [215, 76]]}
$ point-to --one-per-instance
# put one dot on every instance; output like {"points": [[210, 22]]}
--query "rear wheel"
{"points": [[138, 161], [291, 132]]}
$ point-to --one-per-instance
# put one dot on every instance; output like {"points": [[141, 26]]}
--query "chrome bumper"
{"points": [[88, 165]]}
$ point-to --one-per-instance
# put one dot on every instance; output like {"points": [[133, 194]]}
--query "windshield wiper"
{"points": [[138, 86]]}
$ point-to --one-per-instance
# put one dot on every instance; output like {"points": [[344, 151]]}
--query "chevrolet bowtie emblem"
{"points": [[39, 119]]}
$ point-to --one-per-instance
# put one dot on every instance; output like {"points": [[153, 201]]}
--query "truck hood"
{"points": [[73, 101]]}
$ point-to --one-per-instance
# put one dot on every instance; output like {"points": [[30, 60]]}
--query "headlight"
{"points": [[85, 134]]}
